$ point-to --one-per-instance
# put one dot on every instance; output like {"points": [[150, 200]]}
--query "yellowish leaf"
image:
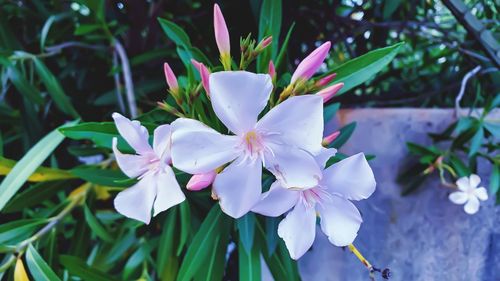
{"points": [[20, 272], [40, 174]]}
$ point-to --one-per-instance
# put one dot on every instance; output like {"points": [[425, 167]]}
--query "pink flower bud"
{"points": [[329, 92], [330, 138], [221, 33], [170, 76], [311, 63], [264, 43], [201, 181], [271, 70], [204, 74], [325, 80]]}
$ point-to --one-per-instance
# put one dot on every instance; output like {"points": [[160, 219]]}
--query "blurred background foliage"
{"points": [[63, 60], [76, 58]]}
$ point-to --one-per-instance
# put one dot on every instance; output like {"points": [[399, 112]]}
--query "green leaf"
{"points": [[464, 123], [420, 150], [271, 234], [246, 229], [19, 230], [28, 164], [101, 134], [168, 240], [249, 263], [78, 267], [269, 24], [185, 220], [281, 56], [21, 84], [34, 195], [329, 111], [476, 141], [199, 250], [39, 269], [175, 33], [458, 166], [390, 6], [345, 134], [495, 179], [41, 174], [96, 226], [99, 176], [54, 89], [493, 128], [361, 69], [83, 29]]}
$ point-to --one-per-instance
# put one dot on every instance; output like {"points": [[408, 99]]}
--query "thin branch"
{"points": [[118, 86], [461, 93], [127, 77]]}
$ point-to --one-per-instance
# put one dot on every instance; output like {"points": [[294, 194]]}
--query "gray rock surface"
{"points": [[419, 237]]}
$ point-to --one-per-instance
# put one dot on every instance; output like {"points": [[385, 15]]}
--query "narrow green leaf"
{"points": [[78, 267], [185, 221], [246, 229], [19, 230], [476, 141], [54, 89], [99, 176], [34, 195], [281, 56], [21, 84], [493, 128], [390, 6], [329, 111], [419, 149], [83, 29], [38, 268], [175, 33], [269, 24], [96, 226], [168, 239], [458, 166], [45, 31], [361, 69], [249, 263], [495, 180], [271, 234], [199, 250], [345, 134], [28, 164]]}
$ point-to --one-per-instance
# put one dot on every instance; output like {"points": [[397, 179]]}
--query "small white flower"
{"points": [[469, 193]]}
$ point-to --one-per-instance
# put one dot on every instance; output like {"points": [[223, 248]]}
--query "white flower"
{"points": [[349, 179], [282, 140], [469, 193], [157, 187]]}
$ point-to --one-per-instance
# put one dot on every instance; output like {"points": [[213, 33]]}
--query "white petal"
{"points": [[298, 121], [324, 155], [276, 201], [463, 183], [162, 142], [197, 148], [238, 187], [298, 230], [136, 202], [472, 206], [238, 97], [168, 191], [340, 221], [131, 165], [132, 131], [474, 180], [481, 193], [352, 178], [458, 197], [293, 167]]}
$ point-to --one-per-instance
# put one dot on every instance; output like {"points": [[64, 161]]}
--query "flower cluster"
{"points": [[287, 140]]}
